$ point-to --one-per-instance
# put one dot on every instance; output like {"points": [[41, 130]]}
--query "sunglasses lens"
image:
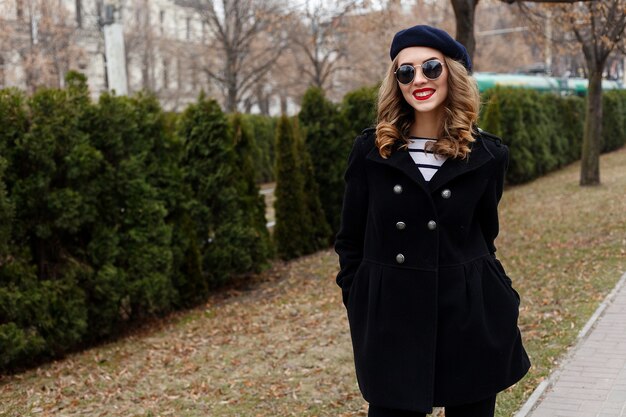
{"points": [[405, 74], [432, 69]]}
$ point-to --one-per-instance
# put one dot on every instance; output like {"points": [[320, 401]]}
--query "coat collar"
{"points": [[451, 168]]}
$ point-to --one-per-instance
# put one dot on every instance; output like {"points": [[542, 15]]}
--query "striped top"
{"points": [[427, 162]]}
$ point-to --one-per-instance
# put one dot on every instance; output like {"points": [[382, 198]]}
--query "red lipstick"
{"points": [[423, 90]]}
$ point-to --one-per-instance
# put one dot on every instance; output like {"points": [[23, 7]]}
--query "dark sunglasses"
{"points": [[431, 69]]}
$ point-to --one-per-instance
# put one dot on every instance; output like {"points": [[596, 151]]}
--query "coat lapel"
{"points": [[400, 159], [451, 168]]}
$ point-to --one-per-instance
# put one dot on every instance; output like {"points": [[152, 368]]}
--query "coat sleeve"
{"points": [[350, 238], [489, 210], [489, 221]]}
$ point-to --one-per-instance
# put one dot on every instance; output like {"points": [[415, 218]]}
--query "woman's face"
{"points": [[424, 95]]}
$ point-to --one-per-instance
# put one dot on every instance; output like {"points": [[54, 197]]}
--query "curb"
{"points": [[534, 399]]}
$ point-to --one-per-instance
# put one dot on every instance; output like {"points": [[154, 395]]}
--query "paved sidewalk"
{"points": [[592, 380]]}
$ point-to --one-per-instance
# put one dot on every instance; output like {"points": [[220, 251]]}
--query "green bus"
{"points": [[563, 86]]}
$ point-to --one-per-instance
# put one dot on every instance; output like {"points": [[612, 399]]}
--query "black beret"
{"points": [[422, 35]]}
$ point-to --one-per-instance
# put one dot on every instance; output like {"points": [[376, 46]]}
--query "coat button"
{"points": [[446, 193], [397, 189], [400, 225], [432, 225], [400, 258]]}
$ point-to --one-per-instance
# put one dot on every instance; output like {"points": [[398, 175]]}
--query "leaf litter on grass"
{"points": [[280, 345]]}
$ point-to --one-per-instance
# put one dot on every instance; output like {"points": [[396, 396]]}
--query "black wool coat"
{"points": [[432, 313]]}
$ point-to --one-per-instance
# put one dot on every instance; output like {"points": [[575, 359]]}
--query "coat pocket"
{"points": [[348, 284], [504, 278]]}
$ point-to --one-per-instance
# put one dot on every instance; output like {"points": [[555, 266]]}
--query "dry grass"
{"points": [[282, 347], [565, 248]]}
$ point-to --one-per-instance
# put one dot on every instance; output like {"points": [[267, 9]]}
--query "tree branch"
{"points": [[544, 1]]}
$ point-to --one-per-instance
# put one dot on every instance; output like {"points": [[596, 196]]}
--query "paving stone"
{"points": [[592, 381]]}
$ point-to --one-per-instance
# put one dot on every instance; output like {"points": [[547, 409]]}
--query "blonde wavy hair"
{"points": [[461, 106]]}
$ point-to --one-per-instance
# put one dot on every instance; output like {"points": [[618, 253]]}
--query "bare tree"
{"points": [[239, 27], [5, 35], [597, 28], [321, 36], [44, 36], [165, 51], [57, 37], [500, 30], [367, 36], [140, 38], [464, 11]]}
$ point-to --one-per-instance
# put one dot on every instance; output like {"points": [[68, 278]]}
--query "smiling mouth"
{"points": [[423, 95]]}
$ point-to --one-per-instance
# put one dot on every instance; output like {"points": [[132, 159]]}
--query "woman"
{"points": [[432, 313]]}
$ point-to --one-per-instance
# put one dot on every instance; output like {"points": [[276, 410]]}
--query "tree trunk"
{"points": [[464, 12], [592, 136], [262, 98], [231, 99], [145, 71], [231, 81]]}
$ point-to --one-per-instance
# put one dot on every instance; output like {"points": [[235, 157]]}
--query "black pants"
{"points": [[483, 408]]}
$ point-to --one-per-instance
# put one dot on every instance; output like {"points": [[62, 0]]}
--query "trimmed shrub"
{"points": [[327, 142], [14, 123], [19, 293], [570, 123], [21, 311], [249, 192], [289, 205], [226, 239], [358, 109], [557, 146], [301, 227], [6, 215], [317, 229], [528, 123], [544, 131], [130, 247], [261, 129], [53, 168], [504, 117], [613, 120]]}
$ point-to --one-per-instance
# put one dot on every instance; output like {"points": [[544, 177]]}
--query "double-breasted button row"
{"points": [[444, 193]]}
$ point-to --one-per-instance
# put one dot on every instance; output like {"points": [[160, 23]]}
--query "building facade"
{"points": [[165, 42]]}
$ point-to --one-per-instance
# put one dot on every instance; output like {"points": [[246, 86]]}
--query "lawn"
{"points": [[278, 345]]}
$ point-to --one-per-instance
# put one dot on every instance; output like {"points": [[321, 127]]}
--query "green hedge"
{"points": [[613, 120], [261, 129], [358, 109], [114, 211], [328, 142], [544, 131]]}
